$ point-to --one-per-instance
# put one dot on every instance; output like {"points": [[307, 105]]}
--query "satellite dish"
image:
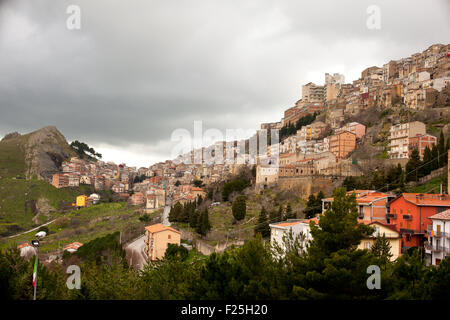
{"points": [[41, 234]]}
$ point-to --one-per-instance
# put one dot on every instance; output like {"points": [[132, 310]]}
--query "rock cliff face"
{"points": [[45, 150]]}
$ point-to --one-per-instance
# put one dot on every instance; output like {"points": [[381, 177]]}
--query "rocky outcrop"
{"points": [[45, 150], [11, 135]]}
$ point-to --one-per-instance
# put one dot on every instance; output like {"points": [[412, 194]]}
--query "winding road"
{"points": [[136, 248]]}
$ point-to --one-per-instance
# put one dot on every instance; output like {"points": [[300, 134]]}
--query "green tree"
{"points": [[262, 226], [203, 225], [338, 227], [193, 219], [382, 249], [434, 157], [280, 213], [309, 211], [175, 212], [427, 160], [175, 251], [413, 172], [198, 183], [289, 213], [441, 150], [239, 208]]}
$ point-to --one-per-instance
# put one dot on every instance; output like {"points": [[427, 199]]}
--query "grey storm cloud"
{"points": [[137, 70]]}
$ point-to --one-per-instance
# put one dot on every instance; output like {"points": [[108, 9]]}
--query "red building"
{"points": [[372, 205], [410, 214]]}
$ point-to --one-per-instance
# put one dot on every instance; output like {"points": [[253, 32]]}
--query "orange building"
{"points": [[60, 180], [372, 205], [342, 143], [410, 214]]}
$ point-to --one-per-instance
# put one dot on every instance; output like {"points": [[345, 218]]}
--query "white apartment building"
{"points": [[399, 138], [439, 245], [280, 230]]}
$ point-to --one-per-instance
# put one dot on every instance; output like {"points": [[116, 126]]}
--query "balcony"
{"points": [[407, 231], [391, 216], [407, 217], [440, 234]]}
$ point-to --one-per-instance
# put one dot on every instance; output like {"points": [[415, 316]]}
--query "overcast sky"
{"points": [[138, 70]]}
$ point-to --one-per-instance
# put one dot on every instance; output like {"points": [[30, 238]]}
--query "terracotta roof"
{"points": [[23, 245], [444, 215], [427, 199], [159, 227]]}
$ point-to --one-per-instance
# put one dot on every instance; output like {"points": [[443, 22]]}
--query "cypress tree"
{"points": [[289, 213], [193, 219], [263, 225], [280, 213], [427, 161], [204, 225], [239, 208], [434, 157]]}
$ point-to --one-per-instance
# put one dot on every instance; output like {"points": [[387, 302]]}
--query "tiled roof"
{"points": [[427, 199], [444, 215], [23, 245], [160, 227]]}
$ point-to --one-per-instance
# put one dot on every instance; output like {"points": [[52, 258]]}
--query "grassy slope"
{"points": [[15, 193], [221, 218], [12, 157], [83, 225], [432, 186]]}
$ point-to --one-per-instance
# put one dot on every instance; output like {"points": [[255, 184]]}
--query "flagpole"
{"points": [[35, 281]]}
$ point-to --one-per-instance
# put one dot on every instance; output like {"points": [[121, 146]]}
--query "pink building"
{"points": [[354, 127]]}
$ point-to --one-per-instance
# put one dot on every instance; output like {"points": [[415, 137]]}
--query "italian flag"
{"points": [[35, 273]]}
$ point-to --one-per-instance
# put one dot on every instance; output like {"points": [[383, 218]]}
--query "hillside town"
{"points": [[315, 148]]}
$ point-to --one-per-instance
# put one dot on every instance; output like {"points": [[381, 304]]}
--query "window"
{"points": [[367, 245], [169, 236]]}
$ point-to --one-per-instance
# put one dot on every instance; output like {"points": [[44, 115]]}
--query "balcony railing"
{"points": [[391, 216], [441, 234]]}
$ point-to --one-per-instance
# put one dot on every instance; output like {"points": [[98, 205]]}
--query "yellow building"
{"points": [[392, 235], [82, 201], [157, 239]]}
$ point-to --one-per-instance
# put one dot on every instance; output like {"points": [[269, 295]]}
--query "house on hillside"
{"points": [[72, 247], [411, 212], [372, 205], [391, 234], [157, 239], [82, 201], [438, 246], [281, 230]]}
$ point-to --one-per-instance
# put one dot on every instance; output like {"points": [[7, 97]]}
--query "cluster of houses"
{"points": [[408, 220], [101, 175]]}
